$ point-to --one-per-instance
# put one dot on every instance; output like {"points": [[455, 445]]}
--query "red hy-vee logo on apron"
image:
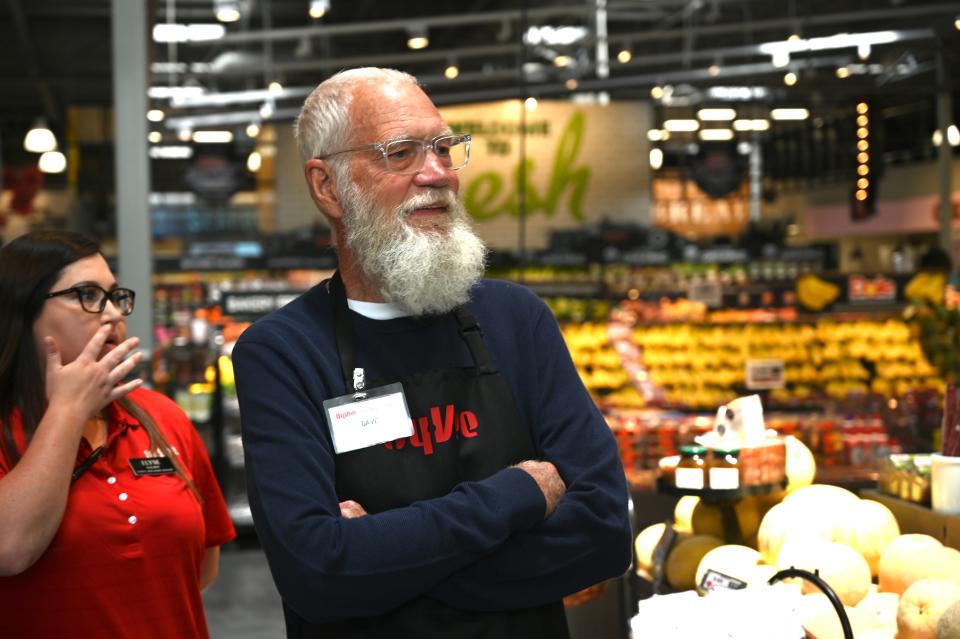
{"points": [[450, 424]]}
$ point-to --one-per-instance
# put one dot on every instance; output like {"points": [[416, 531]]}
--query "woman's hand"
{"points": [[90, 382]]}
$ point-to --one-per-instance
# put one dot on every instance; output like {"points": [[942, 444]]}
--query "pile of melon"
{"points": [[893, 586]]}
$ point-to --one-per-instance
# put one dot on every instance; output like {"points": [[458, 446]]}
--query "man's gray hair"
{"points": [[323, 125]]}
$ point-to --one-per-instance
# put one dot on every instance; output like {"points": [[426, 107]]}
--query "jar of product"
{"points": [[690, 471], [724, 470]]}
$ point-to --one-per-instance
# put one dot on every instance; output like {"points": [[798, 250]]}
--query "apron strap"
{"points": [[343, 329], [472, 334], [469, 330]]}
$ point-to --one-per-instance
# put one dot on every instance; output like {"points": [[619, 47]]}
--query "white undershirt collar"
{"points": [[378, 310]]}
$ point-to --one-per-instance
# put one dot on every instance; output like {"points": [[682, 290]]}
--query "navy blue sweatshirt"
{"points": [[483, 546]]}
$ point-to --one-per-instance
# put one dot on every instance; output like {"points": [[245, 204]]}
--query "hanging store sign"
{"points": [[679, 205], [871, 289], [569, 175]]}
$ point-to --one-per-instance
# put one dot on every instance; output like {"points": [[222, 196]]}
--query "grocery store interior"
{"points": [[729, 205]]}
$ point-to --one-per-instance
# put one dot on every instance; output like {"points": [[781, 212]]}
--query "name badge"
{"points": [[367, 418], [151, 466]]}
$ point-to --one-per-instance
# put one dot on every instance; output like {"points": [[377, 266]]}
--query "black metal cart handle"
{"points": [[815, 579]]}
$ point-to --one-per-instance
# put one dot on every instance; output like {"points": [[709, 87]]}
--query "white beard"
{"points": [[428, 271]]}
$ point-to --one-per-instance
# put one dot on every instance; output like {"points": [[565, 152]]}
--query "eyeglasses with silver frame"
{"points": [[405, 157], [94, 298]]}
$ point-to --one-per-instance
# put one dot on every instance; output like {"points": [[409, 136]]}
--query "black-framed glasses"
{"points": [[93, 298], [405, 157]]}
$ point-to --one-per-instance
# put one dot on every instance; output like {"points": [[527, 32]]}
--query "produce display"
{"points": [[704, 365], [893, 585]]}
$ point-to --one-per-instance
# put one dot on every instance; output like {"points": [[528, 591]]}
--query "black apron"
{"points": [[466, 427]]}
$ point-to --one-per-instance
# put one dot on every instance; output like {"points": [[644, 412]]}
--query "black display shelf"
{"points": [[712, 496]]}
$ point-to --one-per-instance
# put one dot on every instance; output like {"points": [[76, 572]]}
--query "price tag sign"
{"points": [[764, 374], [707, 292], [713, 581]]}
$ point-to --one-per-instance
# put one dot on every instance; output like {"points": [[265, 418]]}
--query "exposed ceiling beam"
{"points": [[28, 57]]}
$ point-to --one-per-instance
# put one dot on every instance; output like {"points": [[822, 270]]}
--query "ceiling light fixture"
{"points": [[318, 8], [758, 124], [155, 115], [554, 36], [530, 104], [790, 78], [656, 92], [843, 72], [562, 61], [212, 137], [781, 51], [953, 135], [275, 87], [226, 10], [252, 130], [716, 135], [169, 32], [452, 71], [171, 152], [681, 125], [656, 158], [417, 36], [790, 114], [624, 56], [716, 115], [40, 139], [713, 70], [571, 84], [52, 162], [154, 137], [254, 161], [165, 93]]}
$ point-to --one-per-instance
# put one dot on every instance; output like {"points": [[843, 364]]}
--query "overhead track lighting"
{"points": [[40, 139], [624, 56], [318, 8], [226, 10], [452, 71], [417, 36], [52, 162]]}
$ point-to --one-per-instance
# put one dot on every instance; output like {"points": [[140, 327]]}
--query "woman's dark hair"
{"points": [[29, 267]]}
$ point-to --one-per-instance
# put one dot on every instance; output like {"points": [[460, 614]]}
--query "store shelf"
{"points": [[715, 496]]}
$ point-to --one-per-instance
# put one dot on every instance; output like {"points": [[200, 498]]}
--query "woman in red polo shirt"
{"points": [[111, 520]]}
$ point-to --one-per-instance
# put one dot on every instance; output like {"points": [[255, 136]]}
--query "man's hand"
{"points": [[350, 509], [549, 481]]}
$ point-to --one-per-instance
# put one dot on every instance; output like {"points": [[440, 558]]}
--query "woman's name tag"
{"points": [[151, 466], [367, 418]]}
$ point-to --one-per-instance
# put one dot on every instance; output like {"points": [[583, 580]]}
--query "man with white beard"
{"points": [[422, 458]]}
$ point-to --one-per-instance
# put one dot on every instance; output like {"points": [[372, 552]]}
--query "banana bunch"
{"points": [[816, 294], [926, 287]]}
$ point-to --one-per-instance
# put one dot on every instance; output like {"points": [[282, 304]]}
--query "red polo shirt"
{"points": [[126, 559]]}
